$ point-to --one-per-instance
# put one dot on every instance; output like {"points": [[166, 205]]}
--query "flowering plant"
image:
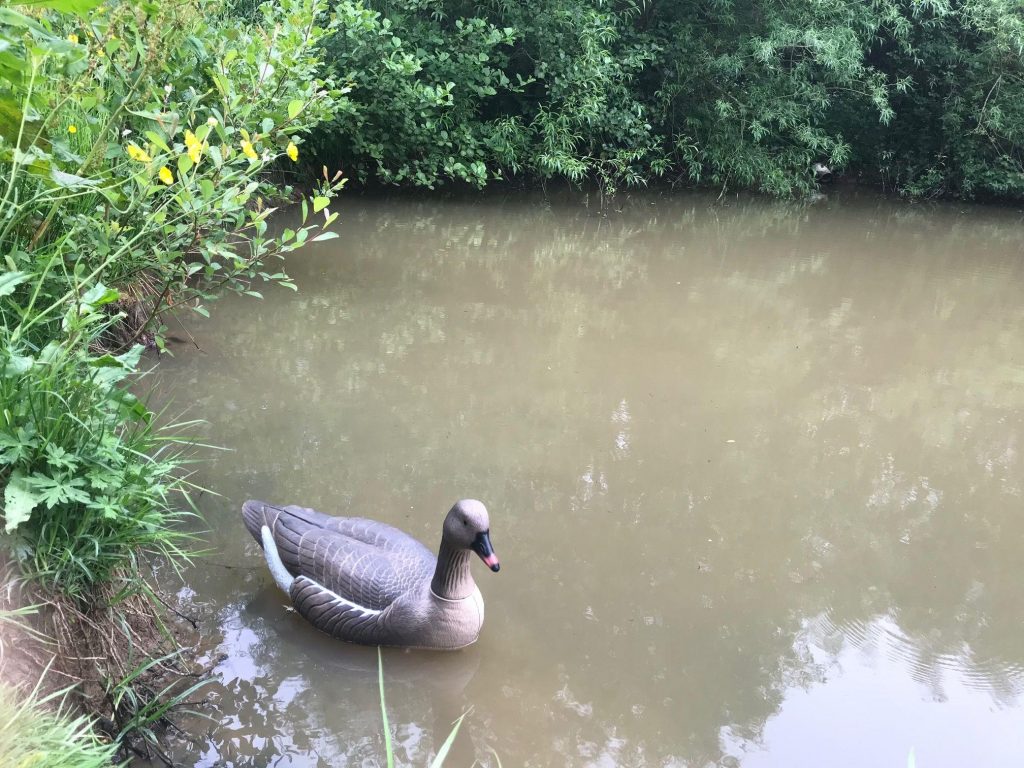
{"points": [[138, 140]]}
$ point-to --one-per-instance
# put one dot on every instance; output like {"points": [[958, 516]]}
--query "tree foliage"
{"points": [[924, 95]]}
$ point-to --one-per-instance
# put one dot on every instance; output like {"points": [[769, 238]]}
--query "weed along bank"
{"points": [[137, 152]]}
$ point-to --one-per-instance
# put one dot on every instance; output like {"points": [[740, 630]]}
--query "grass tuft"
{"points": [[31, 735], [389, 751]]}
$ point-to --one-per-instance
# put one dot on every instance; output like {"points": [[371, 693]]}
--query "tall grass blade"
{"points": [[389, 750], [442, 753]]}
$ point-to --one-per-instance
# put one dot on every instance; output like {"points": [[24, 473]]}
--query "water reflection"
{"points": [[752, 469]]}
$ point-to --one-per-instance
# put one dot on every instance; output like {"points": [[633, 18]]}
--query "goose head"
{"points": [[467, 526]]}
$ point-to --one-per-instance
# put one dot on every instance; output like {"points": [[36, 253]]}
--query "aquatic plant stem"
{"points": [[388, 749]]}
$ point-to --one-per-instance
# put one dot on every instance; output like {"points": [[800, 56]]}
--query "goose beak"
{"points": [[482, 546]]}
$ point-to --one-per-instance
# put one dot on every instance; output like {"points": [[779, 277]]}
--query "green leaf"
{"points": [[99, 295], [58, 490], [11, 280], [157, 139], [19, 501], [77, 7], [16, 365], [294, 107], [324, 236], [14, 448], [67, 180], [319, 203], [206, 188], [130, 406], [105, 361], [130, 359]]}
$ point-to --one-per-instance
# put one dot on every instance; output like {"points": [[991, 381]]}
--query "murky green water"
{"points": [[754, 475]]}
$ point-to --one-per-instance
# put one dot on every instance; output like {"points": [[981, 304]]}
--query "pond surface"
{"points": [[754, 473]]}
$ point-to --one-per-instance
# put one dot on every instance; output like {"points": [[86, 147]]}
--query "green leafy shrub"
{"points": [[924, 96], [91, 483], [135, 156], [959, 123], [143, 149], [145, 134], [420, 87]]}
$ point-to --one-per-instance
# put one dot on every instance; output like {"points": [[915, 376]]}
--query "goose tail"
{"points": [[257, 514], [260, 518]]}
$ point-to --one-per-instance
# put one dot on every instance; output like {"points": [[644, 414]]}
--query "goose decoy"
{"points": [[367, 582]]}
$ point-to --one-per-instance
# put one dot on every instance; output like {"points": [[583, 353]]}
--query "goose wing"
{"points": [[358, 572], [363, 562]]}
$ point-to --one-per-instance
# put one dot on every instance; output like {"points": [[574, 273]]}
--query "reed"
{"points": [[389, 751]]}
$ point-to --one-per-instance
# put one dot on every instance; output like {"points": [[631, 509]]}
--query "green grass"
{"points": [[442, 753], [91, 483], [34, 736]]}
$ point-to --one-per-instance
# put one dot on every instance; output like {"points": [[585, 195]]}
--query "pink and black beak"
{"points": [[482, 546]]}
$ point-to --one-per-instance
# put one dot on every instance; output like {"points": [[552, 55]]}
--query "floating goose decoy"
{"points": [[367, 582]]}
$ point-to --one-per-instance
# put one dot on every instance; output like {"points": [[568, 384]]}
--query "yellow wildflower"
{"points": [[137, 154], [72, 129], [248, 151], [73, 38], [166, 176], [194, 146], [293, 151]]}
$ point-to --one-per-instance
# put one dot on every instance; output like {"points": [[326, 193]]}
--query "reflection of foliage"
{"points": [[585, 377]]}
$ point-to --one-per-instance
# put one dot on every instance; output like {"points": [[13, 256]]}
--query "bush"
{"points": [[925, 96], [136, 181], [143, 149]]}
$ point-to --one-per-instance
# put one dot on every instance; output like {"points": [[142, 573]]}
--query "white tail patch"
{"points": [[277, 570]]}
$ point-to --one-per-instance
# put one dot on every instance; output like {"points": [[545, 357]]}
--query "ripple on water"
{"points": [[881, 637]]}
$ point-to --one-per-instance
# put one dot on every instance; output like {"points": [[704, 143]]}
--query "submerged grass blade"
{"points": [[389, 750], [442, 753]]}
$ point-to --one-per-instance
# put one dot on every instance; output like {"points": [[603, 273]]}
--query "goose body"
{"points": [[367, 582]]}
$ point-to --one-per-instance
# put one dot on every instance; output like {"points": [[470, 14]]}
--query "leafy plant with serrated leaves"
{"points": [[91, 483]]}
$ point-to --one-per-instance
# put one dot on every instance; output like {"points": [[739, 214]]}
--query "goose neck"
{"points": [[452, 577]]}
